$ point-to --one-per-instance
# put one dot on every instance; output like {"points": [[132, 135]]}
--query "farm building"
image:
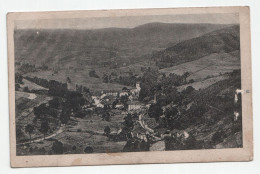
{"points": [[109, 93], [123, 94], [119, 106], [134, 105]]}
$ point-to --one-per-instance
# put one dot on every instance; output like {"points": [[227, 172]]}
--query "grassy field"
{"points": [[25, 102], [203, 83], [211, 65], [24, 113], [31, 86]]}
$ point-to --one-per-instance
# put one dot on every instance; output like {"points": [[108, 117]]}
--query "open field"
{"points": [[31, 85], [25, 102], [211, 65], [203, 83], [79, 77]]}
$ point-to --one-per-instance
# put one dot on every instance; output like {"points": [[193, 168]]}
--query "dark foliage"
{"points": [[223, 40], [44, 128], [107, 130], [29, 129], [93, 73], [57, 147], [155, 111], [135, 145], [88, 149]]}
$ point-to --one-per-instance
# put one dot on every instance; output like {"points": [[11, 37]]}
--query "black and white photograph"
{"points": [[128, 83]]}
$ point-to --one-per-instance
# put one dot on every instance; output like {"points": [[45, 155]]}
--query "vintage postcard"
{"points": [[130, 86]]}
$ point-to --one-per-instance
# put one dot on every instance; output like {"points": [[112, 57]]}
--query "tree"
{"points": [[196, 112], [155, 111], [17, 86], [40, 110], [29, 129], [124, 89], [18, 78], [107, 130], [93, 73], [68, 80], [189, 89], [172, 118], [54, 103], [88, 149], [191, 81], [64, 116], [185, 75], [124, 99], [128, 123], [26, 89], [148, 82], [218, 137], [105, 78], [57, 147], [74, 100], [106, 116], [44, 128], [114, 103]]}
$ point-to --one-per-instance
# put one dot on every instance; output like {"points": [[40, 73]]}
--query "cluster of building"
{"points": [[109, 97]]}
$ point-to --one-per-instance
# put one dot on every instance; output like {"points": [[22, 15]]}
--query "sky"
{"points": [[125, 21]]}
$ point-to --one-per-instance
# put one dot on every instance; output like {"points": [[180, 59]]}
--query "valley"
{"points": [[154, 87]]}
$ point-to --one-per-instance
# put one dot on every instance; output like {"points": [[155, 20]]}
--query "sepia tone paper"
{"points": [[215, 139]]}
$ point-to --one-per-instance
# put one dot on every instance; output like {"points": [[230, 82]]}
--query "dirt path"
{"points": [[60, 130]]}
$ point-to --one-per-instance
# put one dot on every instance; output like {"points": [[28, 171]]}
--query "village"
{"points": [[113, 99], [144, 128]]}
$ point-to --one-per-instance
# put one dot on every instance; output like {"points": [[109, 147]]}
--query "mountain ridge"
{"points": [[44, 46]]}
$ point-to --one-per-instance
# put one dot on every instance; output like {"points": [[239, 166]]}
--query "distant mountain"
{"points": [[101, 47], [225, 40]]}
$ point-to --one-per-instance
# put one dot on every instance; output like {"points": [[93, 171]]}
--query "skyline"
{"points": [[125, 21]]}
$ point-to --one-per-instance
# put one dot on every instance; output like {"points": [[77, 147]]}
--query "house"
{"points": [[134, 105], [123, 94], [97, 102], [136, 91], [125, 89], [183, 134], [108, 93], [119, 106]]}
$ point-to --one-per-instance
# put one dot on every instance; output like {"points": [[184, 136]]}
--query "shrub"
{"points": [[57, 147], [79, 130], [88, 149], [218, 137]]}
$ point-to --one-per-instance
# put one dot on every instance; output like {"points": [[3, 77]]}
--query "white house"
{"points": [[123, 94], [97, 102], [134, 105], [119, 106]]}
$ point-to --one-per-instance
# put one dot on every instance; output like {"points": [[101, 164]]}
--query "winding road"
{"points": [[60, 130]]}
